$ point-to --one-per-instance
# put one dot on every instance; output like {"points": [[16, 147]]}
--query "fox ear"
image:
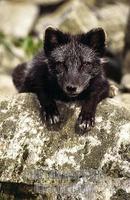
{"points": [[95, 39], [54, 38]]}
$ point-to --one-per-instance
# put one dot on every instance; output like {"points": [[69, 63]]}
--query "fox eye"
{"points": [[88, 63], [59, 63], [58, 72], [85, 64]]}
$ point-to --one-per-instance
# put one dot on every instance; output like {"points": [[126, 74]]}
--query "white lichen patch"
{"points": [[3, 110], [19, 136], [124, 134], [12, 118], [93, 141], [64, 156], [35, 147], [113, 155], [99, 119], [104, 124], [108, 126]]}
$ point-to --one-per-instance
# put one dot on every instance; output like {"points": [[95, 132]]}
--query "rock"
{"points": [[46, 20], [79, 19], [126, 81], [113, 18], [124, 98], [56, 163], [17, 19], [6, 86], [70, 17], [121, 195]]}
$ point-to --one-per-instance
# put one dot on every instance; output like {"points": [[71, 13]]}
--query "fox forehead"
{"points": [[73, 52]]}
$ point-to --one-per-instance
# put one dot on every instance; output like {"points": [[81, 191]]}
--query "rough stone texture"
{"points": [[58, 163], [124, 98], [113, 18], [17, 19], [121, 195]]}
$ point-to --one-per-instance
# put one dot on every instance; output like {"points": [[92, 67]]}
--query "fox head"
{"points": [[74, 60]]}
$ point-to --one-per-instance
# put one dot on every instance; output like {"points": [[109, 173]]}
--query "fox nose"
{"points": [[71, 89]]}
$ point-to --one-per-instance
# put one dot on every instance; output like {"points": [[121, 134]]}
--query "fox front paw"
{"points": [[51, 115], [84, 122]]}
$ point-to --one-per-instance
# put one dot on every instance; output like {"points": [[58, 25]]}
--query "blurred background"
{"points": [[23, 22]]}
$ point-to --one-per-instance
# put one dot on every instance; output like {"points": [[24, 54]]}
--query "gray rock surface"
{"points": [[113, 18], [17, 19], [124, 99], [79, 19], [58, 163]]}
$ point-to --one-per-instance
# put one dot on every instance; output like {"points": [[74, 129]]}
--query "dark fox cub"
{"points": [[69, 68]]}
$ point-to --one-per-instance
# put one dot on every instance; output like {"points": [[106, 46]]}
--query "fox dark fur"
{"points": [[68, 68]]}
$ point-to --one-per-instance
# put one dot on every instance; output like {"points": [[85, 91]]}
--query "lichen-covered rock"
{"points": [[121, 195], [55, 161], [124, 99]]}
